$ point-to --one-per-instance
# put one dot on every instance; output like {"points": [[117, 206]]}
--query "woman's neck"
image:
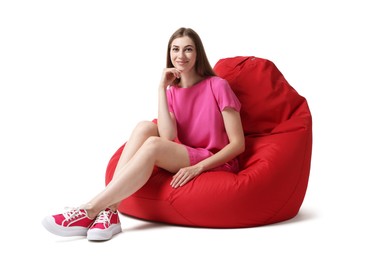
{"points": [[188, 80]]}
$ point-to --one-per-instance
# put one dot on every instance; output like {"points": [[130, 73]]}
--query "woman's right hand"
{"points": [[168, 76]]}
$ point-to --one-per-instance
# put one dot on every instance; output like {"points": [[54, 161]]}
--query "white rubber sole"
{"points": [[97, 234], [51, 226]]}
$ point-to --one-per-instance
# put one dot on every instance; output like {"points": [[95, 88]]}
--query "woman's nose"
{"points": [[181, 54]]}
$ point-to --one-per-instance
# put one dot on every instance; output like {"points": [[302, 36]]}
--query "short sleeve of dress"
{"points": [[224, 95]]}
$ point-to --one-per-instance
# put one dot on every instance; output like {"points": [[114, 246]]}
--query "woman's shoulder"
{"points": [[216, 79], [218, 82]]}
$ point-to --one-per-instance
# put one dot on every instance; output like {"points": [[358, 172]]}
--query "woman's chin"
{"points": [[180, 68]]}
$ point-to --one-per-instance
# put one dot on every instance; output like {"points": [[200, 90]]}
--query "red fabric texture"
{"points": [[272, 182]]}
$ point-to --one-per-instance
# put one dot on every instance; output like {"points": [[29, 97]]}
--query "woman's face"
{"points": [[183, 54]]}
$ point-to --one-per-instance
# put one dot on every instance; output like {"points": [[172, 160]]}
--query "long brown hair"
{"points": [[202, 65]]}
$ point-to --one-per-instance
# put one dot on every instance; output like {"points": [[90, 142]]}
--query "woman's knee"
{"points": [[166, 154], [153, 145], [146, 128], [152, 142]]}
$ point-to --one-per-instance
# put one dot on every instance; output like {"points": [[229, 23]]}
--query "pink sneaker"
{"points": [[105, 226], [74, 222]]}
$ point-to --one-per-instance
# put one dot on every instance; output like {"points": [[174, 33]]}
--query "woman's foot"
{"points": [[105, 226], [73, 222]]}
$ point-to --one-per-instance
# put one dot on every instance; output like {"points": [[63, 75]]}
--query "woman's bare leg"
{"points": [[135, 173], [139, 135]]}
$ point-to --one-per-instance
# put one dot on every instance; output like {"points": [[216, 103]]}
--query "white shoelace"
{"points": [[103, 217], [72, 213]]}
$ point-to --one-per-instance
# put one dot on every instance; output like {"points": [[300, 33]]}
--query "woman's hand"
{"points": [[184, 175], [168, 76]]}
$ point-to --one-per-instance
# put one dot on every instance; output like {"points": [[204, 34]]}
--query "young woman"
{"points": [[198, 125]]}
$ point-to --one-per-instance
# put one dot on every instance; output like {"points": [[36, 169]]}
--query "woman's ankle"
{"points": [[113, 207], [90, 210]]}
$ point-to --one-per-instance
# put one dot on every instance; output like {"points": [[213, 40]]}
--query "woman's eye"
{"points": [[189, 50], [175, 49]]}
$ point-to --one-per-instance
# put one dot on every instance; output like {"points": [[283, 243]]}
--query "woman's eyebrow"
{"points": [[183, 46]]}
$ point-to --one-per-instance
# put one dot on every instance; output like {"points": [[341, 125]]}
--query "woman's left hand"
{"points": [[184, 175]]}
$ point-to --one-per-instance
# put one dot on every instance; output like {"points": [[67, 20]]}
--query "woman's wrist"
{"points": [[200, 167]]}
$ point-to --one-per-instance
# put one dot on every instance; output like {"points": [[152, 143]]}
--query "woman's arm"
{"points": [[236, 146], [166, 124]]}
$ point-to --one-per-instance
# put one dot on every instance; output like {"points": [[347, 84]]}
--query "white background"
{"points": [[76, 76]]}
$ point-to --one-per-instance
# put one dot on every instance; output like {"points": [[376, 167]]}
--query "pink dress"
{"points": [[200, 124]]}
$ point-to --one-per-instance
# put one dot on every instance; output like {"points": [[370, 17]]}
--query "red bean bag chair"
{"points": [[272, 182]]}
